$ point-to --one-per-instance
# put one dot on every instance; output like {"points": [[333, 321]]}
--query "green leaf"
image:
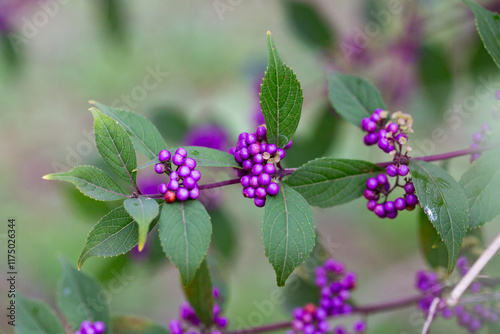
{"points": [[488, 27], [309, 25], [288, 231], [199, 294], [145, 136], [136, 325], [92, 182], [115, 234], [353, 98], [224, 236], [430, 243], [114, 146], [481, 184], [280, 98], [81, 298], [185, 232], [143, 210], [36, 317], [444, 202], [326, 182], [204, 156]]}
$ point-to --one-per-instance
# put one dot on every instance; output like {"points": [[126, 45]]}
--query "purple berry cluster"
{"points": [[480, 138], [471, 317], [190, 323], [258, 159], [87, 327], [335, 284], [183, 180]]}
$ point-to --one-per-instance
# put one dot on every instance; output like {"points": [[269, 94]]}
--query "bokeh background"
{"points": [[194, 69]]}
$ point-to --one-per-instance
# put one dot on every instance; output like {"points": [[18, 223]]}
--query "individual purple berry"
{"points": [[184, 171], [365, 121], [173, 185], [382, 134], [160, 168], [175, 327], [178, 159], [232, 150], [245, 181], [382, 179], [372, 183], [474, 157], [254, 149], [216, 293], [221, 321], [182, 152], [411, 199], [249, 192], [258, 159], [87, 329], [383, 144], [339, 329], [194, 193], [251, 138], [164, 155], [182, 194], [400, 204], [389, 148], [241, 144], [369, 194], [297, 325], [389, 206], [243, 136], [323, 326], [261, 132], [254, 182], [359, 326], [320, 313], [196, 175], [189, 183], [269, 169], [380, 211], [257, 169], [392, 127], [391, 170], [99, 327], [273, 189], [244, 154], [163, 188], [191, 163], [371, 205], [370, 139], [392, 215], [174, 176], [477, 137], [263, 147], [281, 152], [264, 179], [247, 165], [259, 202], [403, 170], [371, 126], [271, 149], [409, 188], [260, 192], [287, 146], [237, 157]]}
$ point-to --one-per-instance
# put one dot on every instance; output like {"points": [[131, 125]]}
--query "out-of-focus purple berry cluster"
{"points": [[258, 159], [480, 138], [190, 323], [88, 327], [184, 179], [471, 317], [335, 285]]}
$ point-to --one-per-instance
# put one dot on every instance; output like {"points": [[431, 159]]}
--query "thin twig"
{"points": [[430, 316]]}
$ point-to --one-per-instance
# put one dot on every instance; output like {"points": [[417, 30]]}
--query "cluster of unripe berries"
{"points": [[190, 323], [184, 179], [258, 159], [335, 285], [87, 327], [480, 138], [471, 317]]}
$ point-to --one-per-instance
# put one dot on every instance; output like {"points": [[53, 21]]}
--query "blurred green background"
{"points": [[208, 57]]}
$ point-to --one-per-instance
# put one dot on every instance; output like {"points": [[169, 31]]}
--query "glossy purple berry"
{"points": [[87, 329], [175, 327], [173, 185], [389, 148], [247, 164], [379, 210], [257, 169], [196, 175], [269, 169], [259, 202], [392, 127], [241, 144], [273, 189], [369, 194], [263, 147], [184, 171], [178, 160], [254, 149], [232, 150], [372, 183], [243, 136], [258, 159], [163, 188], [160, 168], [191, 163], [287, 146], [261, 132], [182, 152], [403, 170], [409, 188], [164, 155], [182, 194], [370, 139], [99, 327], [174, 176], [371, 126], [281, 152], [392, 170], [389, 206], [411, 200], [250, 139], [400, 204], [244, 154], [189, 183], [371, 205], [249, 192], [382, 179], [365, 121], [383, 144], [194, 193], [245, 181], [271, 149], [237, 157], [264, 179], [392, 215], [254, 182], [260, 192], [376, 116]]}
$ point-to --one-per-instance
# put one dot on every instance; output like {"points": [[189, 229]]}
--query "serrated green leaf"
{"points": [[199, 294], [309, 24], [326, 182], [115, 146], [436, 255], [444, 202], [143, 210], [92, 182], [136, 325], [145, 136], [353, 98], [288, 231], [488, 27], [481, 184], [280, 98], [185, 231], [115, 234], [36, 317], [204, 156], [81, 298]]}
